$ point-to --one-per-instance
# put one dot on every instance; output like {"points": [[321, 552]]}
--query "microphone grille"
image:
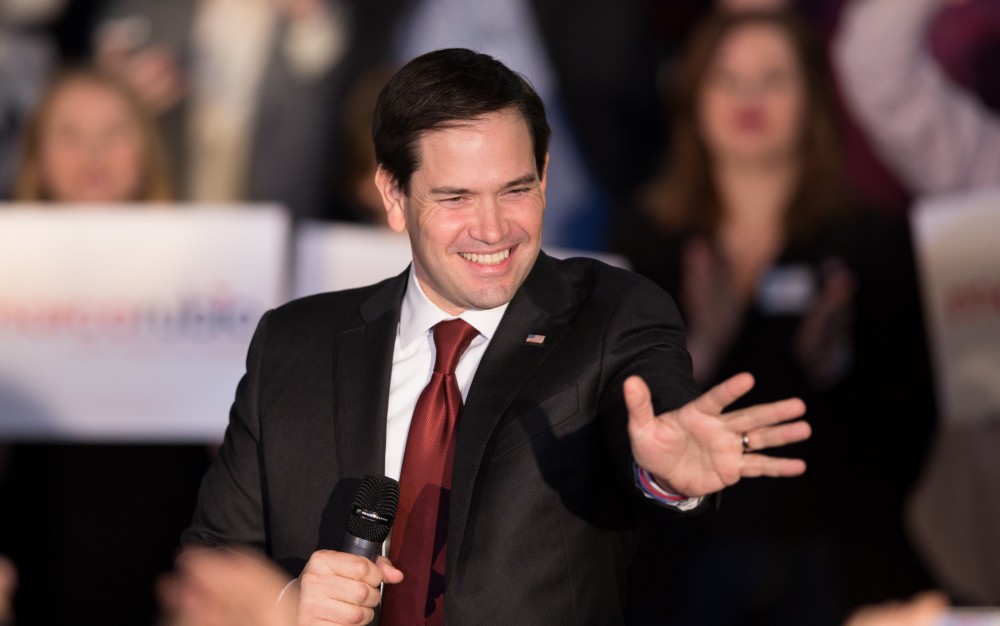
{"points": [[374, 508]]}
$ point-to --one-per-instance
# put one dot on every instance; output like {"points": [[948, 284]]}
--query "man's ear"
{"points": [[393, 198]]}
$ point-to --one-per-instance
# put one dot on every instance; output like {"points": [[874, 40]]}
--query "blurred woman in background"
{"points": [[92, 140], [778, 271], [95, 521]]}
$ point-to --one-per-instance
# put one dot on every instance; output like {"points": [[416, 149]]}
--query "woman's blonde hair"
{"points": [[155, 184]]}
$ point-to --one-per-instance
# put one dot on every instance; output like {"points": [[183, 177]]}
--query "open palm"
{"points": [[697, 449]]}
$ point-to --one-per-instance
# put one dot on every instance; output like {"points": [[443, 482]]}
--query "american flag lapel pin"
{"points": [[534, 340]]}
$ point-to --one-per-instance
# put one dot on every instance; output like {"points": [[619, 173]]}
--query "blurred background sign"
{"points": [[332, 256], [131, 325], [959, 261]]}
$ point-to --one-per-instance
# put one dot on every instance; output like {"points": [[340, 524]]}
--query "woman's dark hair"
{"points": [[686, 197], [447, 88]]}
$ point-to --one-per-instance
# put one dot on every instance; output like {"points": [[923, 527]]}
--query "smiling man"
{"points": [[473, 211], [527, 406]]}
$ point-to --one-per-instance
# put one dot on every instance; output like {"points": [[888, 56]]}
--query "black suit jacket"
{"points": [[543, 517]]}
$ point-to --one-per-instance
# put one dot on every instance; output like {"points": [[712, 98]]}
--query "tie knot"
{"points": [[451, 338]]}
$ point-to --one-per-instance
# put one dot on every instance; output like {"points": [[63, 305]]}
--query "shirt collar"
{"points": [[419, 315]]}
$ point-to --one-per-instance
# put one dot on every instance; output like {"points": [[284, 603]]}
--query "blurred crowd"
{"points": [[756, 158]]}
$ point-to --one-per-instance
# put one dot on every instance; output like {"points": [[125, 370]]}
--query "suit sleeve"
{"points": [[645, 337], [230, 500]]}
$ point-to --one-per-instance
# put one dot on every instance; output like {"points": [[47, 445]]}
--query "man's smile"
{"points": [[487, 259]]}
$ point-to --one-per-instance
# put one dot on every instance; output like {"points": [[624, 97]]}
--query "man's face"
{"points": [[474, 211]]}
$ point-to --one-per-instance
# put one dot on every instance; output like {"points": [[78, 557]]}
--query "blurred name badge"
{"points": [[131, 323], [787, 290], [959, 262]]}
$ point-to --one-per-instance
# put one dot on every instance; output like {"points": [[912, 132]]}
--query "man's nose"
{"points": [[490, 225]]}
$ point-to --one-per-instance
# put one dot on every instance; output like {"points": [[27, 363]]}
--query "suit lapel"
{"points": [[542, 306], [362, 368]]}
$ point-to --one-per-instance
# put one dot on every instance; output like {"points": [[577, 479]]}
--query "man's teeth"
{"points": [[487, 259]]}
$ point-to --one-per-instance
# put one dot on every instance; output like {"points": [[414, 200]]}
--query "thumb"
{"points": [[638, 401], [389, 572]]}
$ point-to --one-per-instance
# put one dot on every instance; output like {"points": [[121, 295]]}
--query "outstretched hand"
{"points": [[697, 449]]}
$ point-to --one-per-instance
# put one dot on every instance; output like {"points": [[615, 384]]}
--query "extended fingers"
{"points": [[754, 465], [725, 393], [761, 415], [781, 435]]}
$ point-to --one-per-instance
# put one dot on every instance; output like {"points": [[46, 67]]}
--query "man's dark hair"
{"points": [[448, 88]]}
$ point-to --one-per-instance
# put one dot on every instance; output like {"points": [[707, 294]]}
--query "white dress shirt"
{"points": [[413, 362]]}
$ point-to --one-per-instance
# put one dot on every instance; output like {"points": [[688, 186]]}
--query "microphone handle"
{"points": [[362, 547]]}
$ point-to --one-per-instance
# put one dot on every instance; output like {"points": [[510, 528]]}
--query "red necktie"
{"points": [[420, 531]]}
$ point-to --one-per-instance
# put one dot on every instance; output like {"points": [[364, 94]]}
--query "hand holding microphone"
{"points": [[343, 587]]}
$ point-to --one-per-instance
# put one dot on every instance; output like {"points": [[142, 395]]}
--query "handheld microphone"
{"points": [[371, 515]]}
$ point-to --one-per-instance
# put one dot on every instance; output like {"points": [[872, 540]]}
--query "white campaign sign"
{"points": [[131, 324], [332, 256], [957, 240]]}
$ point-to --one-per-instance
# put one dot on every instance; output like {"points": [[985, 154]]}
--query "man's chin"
{"points": [[491, 298]]}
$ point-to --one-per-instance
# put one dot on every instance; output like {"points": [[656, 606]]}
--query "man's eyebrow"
{"points": [[450, 191], [527, 179]]}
